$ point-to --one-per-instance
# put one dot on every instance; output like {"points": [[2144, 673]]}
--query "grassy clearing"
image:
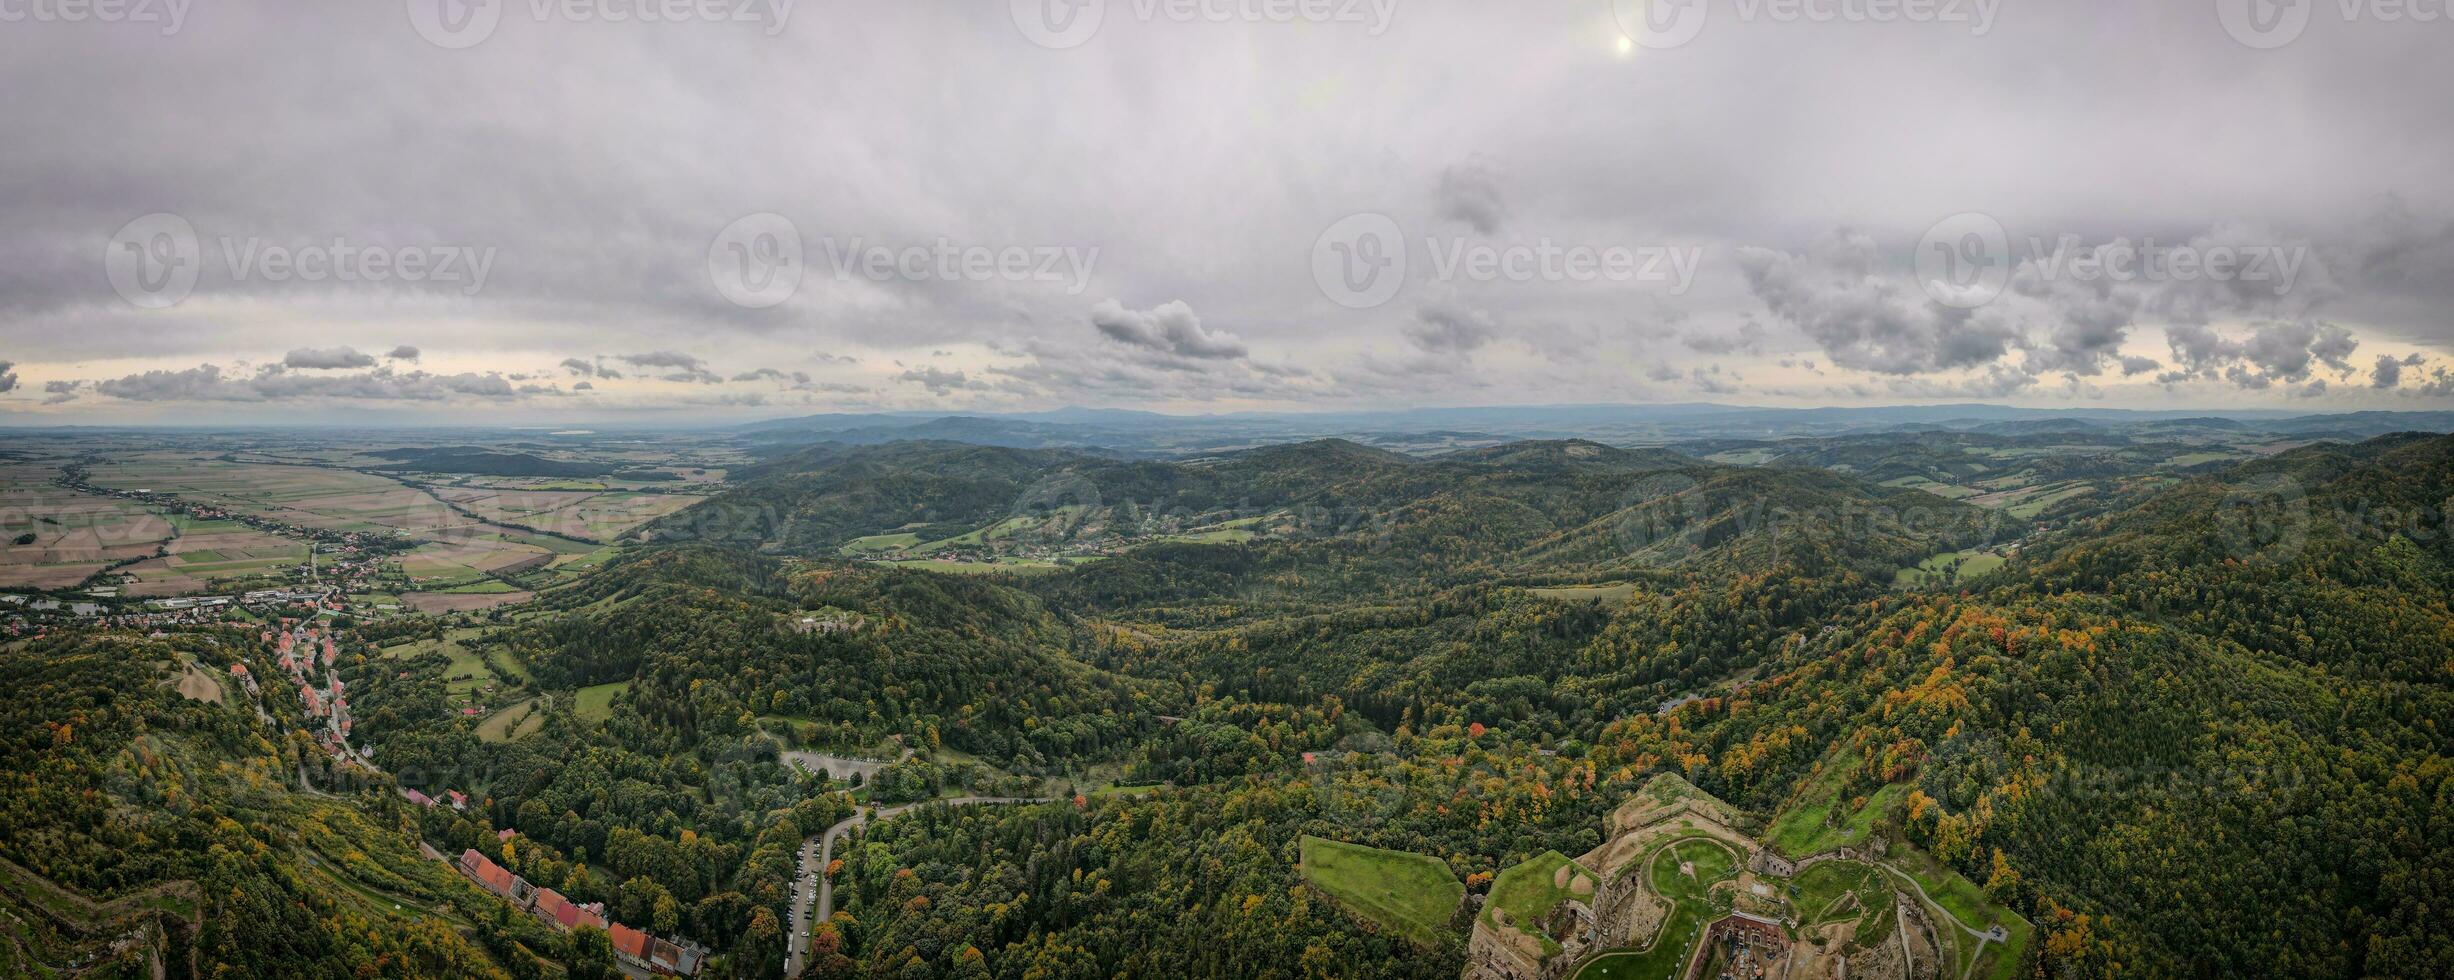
{"points": [[1711, 860], [1957, 895], [596, 703], [1947, 491], [979, 537], [575, 564], [1809, 825], [1213, 535], [1414, 894], [1526, 892], [872, 543], [507, 666], [1610, 592], [521, 718], [472, 677], [1948, 568], [2198, 458], [2036, 503], [1824, 894]]}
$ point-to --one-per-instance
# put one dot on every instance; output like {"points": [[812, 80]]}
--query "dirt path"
{"points": [[1900, 931]]}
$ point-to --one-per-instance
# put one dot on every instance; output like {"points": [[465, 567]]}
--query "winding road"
{"points": [[812, 881]]}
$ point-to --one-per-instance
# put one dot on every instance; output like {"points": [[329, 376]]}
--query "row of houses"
{"points": [[455, 798], [631, 946]]}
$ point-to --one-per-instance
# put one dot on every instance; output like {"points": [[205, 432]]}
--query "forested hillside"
{"points": [[2164, 733], [2193, 726], [143, 825]]}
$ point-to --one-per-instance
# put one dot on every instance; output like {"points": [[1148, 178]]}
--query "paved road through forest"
{"points": [[811, 882]]}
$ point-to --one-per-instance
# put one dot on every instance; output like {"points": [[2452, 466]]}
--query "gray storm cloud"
{"points": [[1451, 329], [210, 383], [1169, 328], [602, 189], [327, 359], [1865, 321]]}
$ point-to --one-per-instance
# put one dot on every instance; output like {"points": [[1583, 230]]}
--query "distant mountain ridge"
{"points": [[1544, 506], [1432, 430]]}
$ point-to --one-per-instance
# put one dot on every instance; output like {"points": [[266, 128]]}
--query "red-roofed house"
{"points": [[682, 958], [493, 876], [629, 943], [460, 800], [505, 834]]}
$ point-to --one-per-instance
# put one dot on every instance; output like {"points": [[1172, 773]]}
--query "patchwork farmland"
{"points": [[53, 537], [458, 563], [307, 496], [211, 556], [588, 515]]}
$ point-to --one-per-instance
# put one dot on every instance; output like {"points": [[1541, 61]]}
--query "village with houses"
{"points": [[307, 650], [632, 947]]}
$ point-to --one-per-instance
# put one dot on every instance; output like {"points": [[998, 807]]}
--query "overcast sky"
{"points": [[432, 210]]}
